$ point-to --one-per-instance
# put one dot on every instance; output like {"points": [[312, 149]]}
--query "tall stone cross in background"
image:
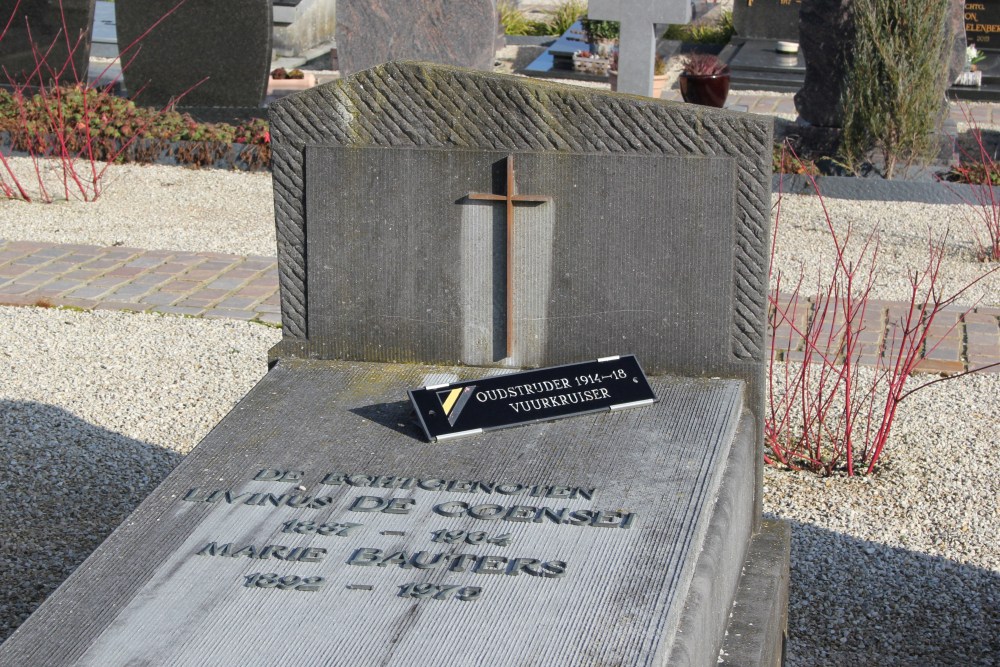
{"points": [[638, 36]]}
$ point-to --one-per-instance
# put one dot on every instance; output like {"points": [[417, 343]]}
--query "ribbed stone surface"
{"points": [[146, 595]]}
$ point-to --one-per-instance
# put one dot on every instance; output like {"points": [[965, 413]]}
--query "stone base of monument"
{"points": [[315, 525], [755, 64]]}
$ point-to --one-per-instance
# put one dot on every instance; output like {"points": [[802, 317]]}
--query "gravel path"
{"points": [[899, 569]]}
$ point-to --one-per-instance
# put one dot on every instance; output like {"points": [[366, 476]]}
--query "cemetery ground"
{"points": [[901, 567]]}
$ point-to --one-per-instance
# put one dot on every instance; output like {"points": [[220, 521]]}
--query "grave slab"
{"points": [[452, 32], [606, 513], [767, 19]]}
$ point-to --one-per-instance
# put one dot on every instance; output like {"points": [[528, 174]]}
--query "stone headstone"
{"points": [[315, 525], [767, 19], [637, 47], [229, 48], [450, 32], [62, 26], [982, 24]]}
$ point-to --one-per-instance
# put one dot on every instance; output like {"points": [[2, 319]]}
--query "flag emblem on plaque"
{"points": [[453, 400]]}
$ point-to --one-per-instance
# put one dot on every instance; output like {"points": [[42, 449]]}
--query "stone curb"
{"points": [[877, 189]]}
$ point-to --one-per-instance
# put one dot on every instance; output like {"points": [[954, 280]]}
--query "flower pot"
{"points": [[659, 83], [708, 90]]}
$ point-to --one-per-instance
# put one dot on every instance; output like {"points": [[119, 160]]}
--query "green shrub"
{"points": [[896, 81], [515, 21], [601, 30], [565, 15], [717, 32]]}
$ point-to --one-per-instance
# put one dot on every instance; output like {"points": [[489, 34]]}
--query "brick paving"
{"points": [[198, 284], [215, 285]]}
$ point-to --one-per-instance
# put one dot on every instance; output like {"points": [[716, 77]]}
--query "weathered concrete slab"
{"points": [[635, 492]]}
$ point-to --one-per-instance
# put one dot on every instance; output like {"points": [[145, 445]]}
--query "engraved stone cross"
{"points": [[638, 36], [511, 197]]}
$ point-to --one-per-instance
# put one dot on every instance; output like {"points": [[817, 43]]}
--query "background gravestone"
{"points": [[41, 22], [767, 19], [229, 42], [451, 32]]}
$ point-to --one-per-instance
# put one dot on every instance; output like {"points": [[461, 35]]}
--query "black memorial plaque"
{"points": [[468, 408], [982, 24]]}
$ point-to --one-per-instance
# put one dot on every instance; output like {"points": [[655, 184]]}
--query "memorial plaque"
{"points": [[982, 24], [767, 19], [462, 409]]}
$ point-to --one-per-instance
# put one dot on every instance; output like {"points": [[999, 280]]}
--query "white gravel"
{"points": [[150, 207], [899, 569]]}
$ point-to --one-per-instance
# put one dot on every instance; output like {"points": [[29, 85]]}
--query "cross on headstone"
{"points": [[637, 38], [511, 197]]}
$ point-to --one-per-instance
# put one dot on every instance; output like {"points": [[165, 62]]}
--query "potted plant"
{"points": [[704, 80], [602, 35], [283, 82]]}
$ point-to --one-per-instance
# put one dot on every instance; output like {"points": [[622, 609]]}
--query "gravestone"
{"points": [[767, 19], [430, 218], [213, 53], [637, 47], [754, 60], [452, 32], [64, 27]]}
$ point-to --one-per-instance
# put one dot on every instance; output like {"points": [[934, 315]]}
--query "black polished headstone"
{"points": [[60, 25], [982, 24], [767, 19], [451, 32], [227, 43]]}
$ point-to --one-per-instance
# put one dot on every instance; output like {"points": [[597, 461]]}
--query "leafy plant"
{"points": [[894, 93], [703, 64], [825, 413], [717, 32], [785, 161], [515, 20], [564, 15], [980, 168], [601, 31], [659, 66]]}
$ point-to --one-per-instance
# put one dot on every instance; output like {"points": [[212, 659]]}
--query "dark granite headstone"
{"points": [[62, 26], [227, 43], [767, 19], [982, 24], [316, 525], [451, 32]]}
